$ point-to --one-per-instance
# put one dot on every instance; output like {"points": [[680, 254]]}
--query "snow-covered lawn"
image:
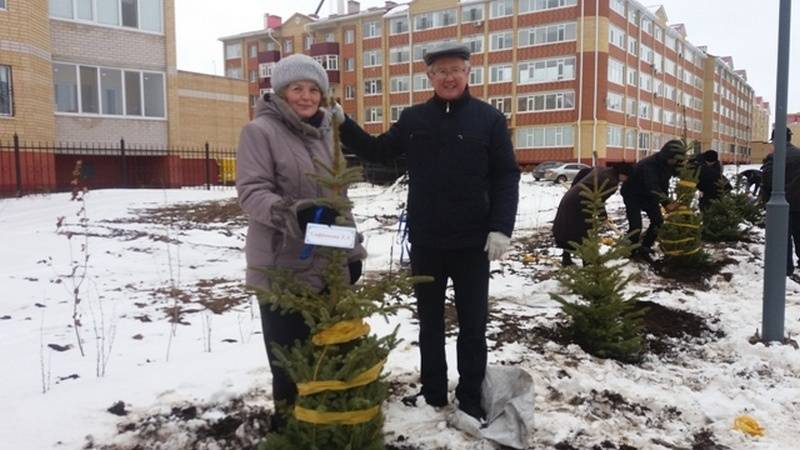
{"points": [[165, 324]]}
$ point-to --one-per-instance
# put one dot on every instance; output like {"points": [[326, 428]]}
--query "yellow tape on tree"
{"points": [[682, 253], [335, 418], [686, 183], [682, 212], [677, 241], [684, 225], [366, 377], [341, 332]]}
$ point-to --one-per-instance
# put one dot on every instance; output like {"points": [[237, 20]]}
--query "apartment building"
{"points": [[94, 73], [761, 123], [602, 82]]}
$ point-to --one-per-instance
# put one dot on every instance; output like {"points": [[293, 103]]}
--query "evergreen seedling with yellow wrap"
{"points": [[338, 371], [680, 235]]}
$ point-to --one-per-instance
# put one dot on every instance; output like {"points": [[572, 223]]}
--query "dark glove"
{"points": [[307, 215], [355, 270]]}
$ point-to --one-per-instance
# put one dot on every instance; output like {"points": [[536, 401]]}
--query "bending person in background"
{"points": [[792, 194]]}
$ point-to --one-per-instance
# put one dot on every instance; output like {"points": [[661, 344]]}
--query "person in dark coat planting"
{"points": [[570, 224], [462, 204], [709, 177], [752, 180], [792, 194], [646, 191]]}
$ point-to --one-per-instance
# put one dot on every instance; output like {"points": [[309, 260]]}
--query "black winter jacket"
{"points": [[570, 224], [649, 182], [463, 176], [792, 177], [708, 179]]}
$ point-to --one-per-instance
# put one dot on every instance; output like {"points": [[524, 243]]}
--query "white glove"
{"points": [[337, 112], [496, 244]]}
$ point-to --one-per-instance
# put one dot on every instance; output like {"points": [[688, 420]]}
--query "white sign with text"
{"points": [[330, 236]]}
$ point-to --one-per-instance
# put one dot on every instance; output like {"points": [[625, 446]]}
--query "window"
{"points": [[630, 106], [101, 90], [503, 104], [372, 29], [669, 66], [633, 77], [616, 72], [350, 64], [647, 26], [395, 112], [500, 73], [234, 72], [644, 141], [656, 114], [552, 101], [328, 62], [349, 92], [107, 12], [398, 25], [526, 6], [476, 76], [6, 102], [288, 46], [149, 15], [546, 34], [472, 13], [671, 42], [644, 110], [500, 41], [265, 69], [330, 36], [474, 42], [546, 70], [373, 58], [398, 55], [616, 36], [646, 82], [233, 51], [254, 50], [633, 15], [349, 36], [422, 82], [2, 4], [61, 8], [618, 6], [630, 139], [373, 86], [614, 102], [646, 53], [253, 76], [421, 49], [501, 8], [545, 137], [308, 41], [632, 46], [374, 114], [614, 138], [435, 19], [659, 33], [399, 84]]}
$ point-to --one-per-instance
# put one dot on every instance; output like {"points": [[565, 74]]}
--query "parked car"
{"points": [[538, 172], [563, 172]]}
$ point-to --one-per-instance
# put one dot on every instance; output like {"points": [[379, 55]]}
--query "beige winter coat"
{"points": [[272, 162]]}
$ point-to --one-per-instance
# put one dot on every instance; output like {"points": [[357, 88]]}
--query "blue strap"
{"points": [[308, 248]]}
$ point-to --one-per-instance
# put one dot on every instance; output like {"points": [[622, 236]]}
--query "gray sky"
{"points": [[744, 29]]}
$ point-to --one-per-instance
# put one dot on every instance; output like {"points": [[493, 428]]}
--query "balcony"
{"points": [[324, 48], [269, 56]]}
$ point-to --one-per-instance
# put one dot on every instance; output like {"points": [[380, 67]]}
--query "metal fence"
{"points": [[27, 167]]}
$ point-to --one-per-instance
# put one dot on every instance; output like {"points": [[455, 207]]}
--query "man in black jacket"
{"points": [[646, 190], [462, 203], [792, 194], [709, 177]]}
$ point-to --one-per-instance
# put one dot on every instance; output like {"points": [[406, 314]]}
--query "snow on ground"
{"points": [[143, 274]]}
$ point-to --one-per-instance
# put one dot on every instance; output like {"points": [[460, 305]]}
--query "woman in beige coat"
{"points": [[273, 162]]}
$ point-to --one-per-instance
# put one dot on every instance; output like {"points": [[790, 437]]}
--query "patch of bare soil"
{"points": [[192, 216], [696, 277]]}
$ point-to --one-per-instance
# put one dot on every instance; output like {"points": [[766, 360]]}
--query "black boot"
{"points": [[566, 259]]}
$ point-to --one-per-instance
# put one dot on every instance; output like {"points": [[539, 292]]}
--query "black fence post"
{"points": [[208, 167], [17, 165], [123, 163]]}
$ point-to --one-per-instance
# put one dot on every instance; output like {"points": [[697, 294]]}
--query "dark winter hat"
{"points": [[674, 149], [710, 156], [624, 169], [788, 135], [446, 49], [299, 67]]}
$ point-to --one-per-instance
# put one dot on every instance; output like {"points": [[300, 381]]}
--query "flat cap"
{"points": [[446, 49]]}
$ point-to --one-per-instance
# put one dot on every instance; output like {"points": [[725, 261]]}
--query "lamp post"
{"points": [[777, 209]]}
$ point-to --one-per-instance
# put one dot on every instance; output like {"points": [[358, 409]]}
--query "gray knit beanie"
{"points": [[299, 67]]}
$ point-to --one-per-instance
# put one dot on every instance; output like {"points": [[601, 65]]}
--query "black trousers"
{"points": [[469, 270], [794, 235], [633, 210], [282, 329]]}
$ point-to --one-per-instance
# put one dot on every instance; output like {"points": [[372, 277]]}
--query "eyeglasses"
{"points": [[444, 73]]}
